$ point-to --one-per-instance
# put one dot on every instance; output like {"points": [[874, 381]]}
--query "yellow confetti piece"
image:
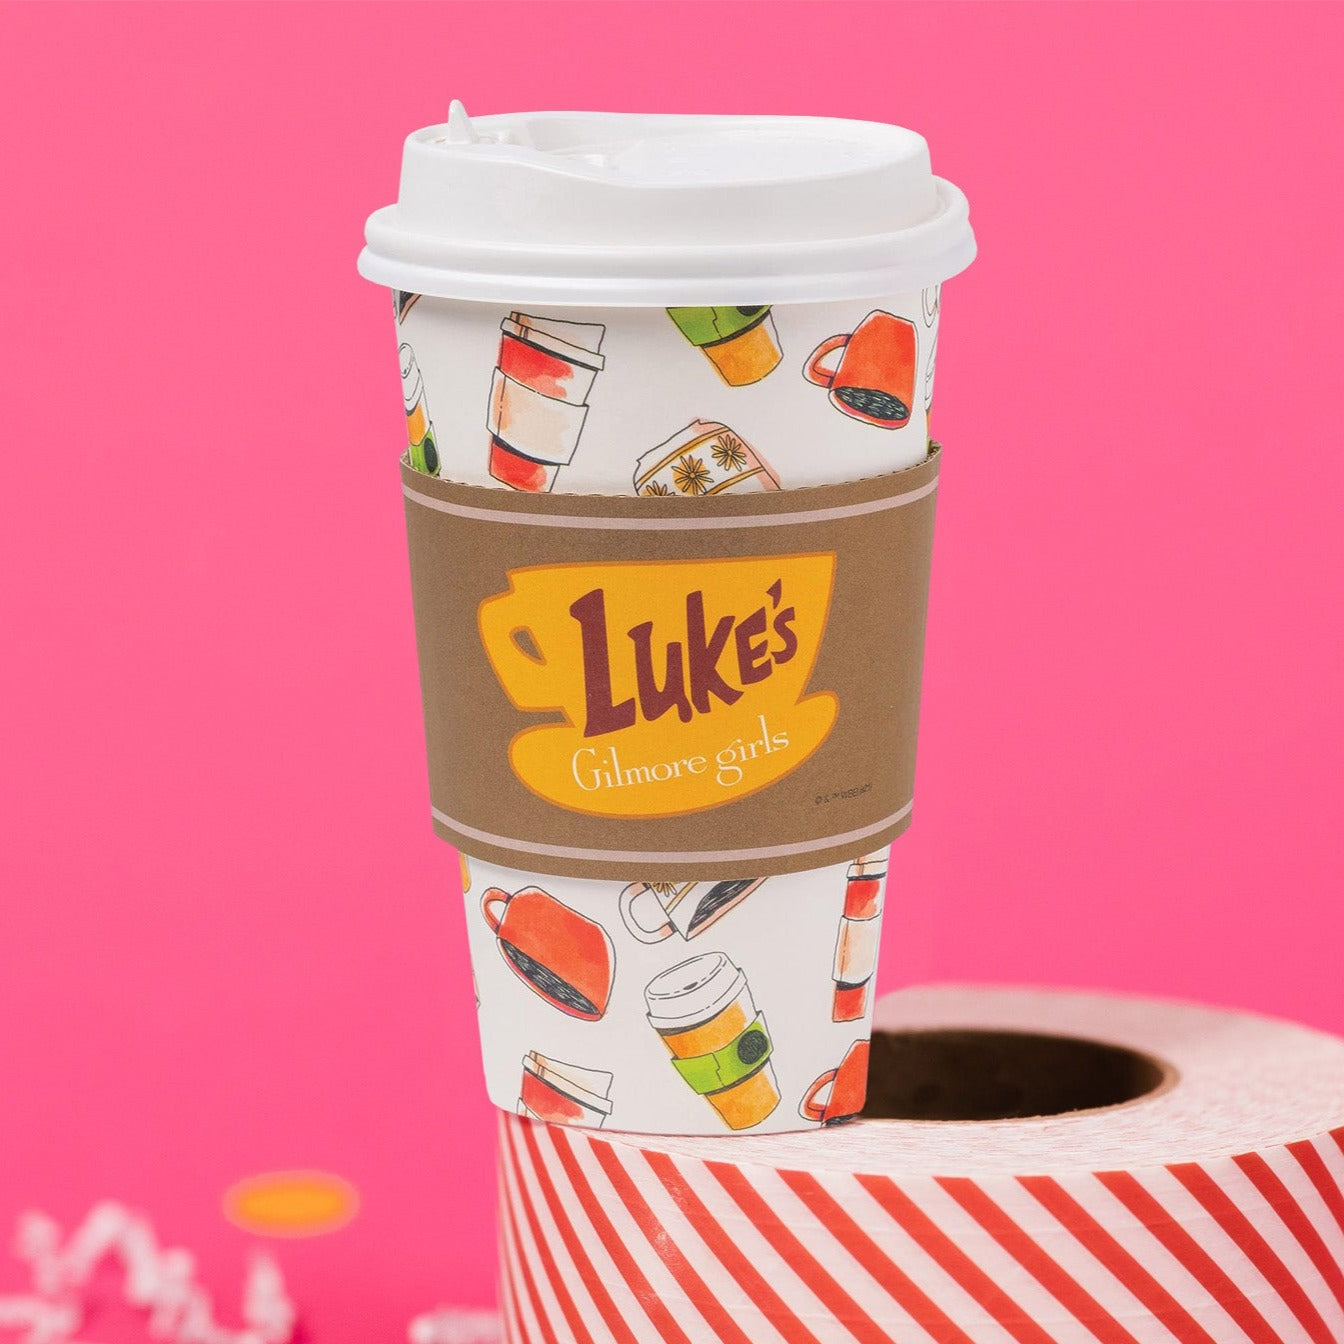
{"points": [[291, 1203]]}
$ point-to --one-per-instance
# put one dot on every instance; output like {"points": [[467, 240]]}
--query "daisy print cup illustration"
{"points": [[703, 458]]}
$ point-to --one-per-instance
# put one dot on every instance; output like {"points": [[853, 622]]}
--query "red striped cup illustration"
{"points": [[539, 397], [564, 1094], [856, 945]]}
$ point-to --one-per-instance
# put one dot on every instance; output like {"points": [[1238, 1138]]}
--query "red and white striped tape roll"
{"points": [[1207, 1212]]}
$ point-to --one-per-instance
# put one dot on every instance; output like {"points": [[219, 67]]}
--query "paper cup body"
{"points": [[624, 401], [559, 284], [719, 1027], [621, 401]]}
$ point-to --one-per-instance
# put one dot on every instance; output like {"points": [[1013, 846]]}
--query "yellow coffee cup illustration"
{"points": [[703, 1010], [675, 686], [424, 452], [740, 342]]}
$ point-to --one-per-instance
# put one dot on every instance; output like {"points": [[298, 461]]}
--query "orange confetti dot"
{"points": [[291, 1203]]}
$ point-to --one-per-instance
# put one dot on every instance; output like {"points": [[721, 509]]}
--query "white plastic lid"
{"points": [[616, 209]]}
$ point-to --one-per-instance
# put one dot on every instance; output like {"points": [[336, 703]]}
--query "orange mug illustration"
{"points": [[563, 1094], [703, 1010], [873, 380], [559, 954], [687, 908], [846, 1087], [856, 945]]}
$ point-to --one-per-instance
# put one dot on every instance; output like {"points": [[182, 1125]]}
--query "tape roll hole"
{"points": [[1003, 1075]]}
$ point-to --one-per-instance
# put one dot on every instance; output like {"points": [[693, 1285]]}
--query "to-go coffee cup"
{"points": [[690, 309]]}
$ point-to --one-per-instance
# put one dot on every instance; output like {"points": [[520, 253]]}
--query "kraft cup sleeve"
{"points": [[815, 371], [537, 426], [514, 705], [629, 898], [1208, 1190], [809, 1108]]}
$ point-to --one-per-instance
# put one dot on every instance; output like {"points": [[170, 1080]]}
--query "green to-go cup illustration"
{"points": [[424, 451], [740, 342]]}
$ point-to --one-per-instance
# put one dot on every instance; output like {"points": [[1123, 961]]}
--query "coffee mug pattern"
{"points": [[740, 342], [837, 1096], [559, 954], [872, 378], [703, 458], [539, 397], [685, 908], [564, 1094], [856, 944], [424, 451]]}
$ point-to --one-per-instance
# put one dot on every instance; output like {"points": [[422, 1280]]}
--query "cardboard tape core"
{"points": [[683, 688], [1003, 1075]]}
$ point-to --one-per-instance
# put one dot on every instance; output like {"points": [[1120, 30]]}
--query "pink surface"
{"points": [[230, 941]]}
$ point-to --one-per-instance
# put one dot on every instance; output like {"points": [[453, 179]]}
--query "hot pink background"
{"points": [[230, 941]]}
